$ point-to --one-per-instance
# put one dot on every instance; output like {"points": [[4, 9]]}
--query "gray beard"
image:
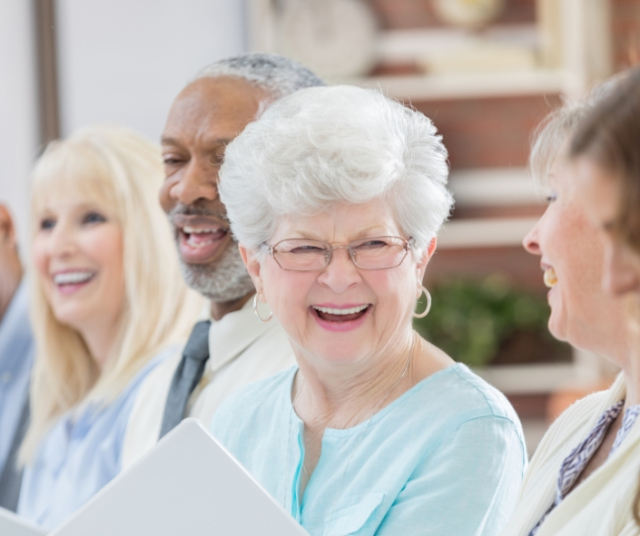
{"points": [[221, 281]]}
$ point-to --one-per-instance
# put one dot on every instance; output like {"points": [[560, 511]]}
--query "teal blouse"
{"points": [[444, 459]]}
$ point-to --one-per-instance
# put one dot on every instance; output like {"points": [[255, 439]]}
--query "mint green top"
{"points": [[444, 459]]}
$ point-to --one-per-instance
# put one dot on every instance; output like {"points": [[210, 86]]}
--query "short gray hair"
{"points": [[550, 136], [559, 126], [322, 146], [277, 75]]}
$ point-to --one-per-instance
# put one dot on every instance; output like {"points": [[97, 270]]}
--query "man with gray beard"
{"points": [[236, 343]]}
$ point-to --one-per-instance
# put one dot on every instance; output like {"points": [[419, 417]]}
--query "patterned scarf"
{"points": [[574, 464]]}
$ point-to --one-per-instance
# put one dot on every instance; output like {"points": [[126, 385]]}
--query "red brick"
{"points": [[514, 263], [488, 132], [625, 15]]}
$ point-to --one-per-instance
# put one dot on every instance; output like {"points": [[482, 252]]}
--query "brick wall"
{"points": [[402, 14], [514, 263], [496, 132], [488, 132], [625, 22]]}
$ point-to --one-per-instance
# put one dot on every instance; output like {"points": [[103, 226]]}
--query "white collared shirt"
{"points": [[242, 350]]}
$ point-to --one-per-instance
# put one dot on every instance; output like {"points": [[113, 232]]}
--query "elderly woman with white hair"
{"points": [[335, 196]]}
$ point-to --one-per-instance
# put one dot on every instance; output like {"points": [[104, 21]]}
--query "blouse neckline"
{"points": [[346, 432]]}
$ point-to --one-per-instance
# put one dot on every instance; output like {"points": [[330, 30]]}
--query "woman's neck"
{"points": [[101, 339], [631, 372], [344, 396], [624, 351]]}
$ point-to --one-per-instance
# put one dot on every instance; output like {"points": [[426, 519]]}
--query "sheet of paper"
{"points": [[12, 525], [187, 484]]}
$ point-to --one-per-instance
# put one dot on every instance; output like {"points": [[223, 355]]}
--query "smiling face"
{"points": [[204, 118], [341, 314], [600, 194], [78, 254], [571, 257]]}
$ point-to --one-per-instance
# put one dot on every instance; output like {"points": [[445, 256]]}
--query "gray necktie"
{"points": [[11, 478], [187, 376]]}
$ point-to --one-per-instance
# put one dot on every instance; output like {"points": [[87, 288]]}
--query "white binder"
{"points": [[12, 525], [187, 484]]}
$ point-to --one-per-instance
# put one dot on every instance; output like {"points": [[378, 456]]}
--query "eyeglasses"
{"points": [[376, 253]]}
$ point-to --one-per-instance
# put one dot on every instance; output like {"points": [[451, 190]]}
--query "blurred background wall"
{"points": [[18, 106], [124, 61]]}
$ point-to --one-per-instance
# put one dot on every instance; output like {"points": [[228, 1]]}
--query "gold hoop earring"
{"points": [[257, 313], [428, 308]]}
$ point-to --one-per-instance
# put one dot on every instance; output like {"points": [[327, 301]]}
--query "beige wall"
{"points": [[124, 61], [18, 115]]}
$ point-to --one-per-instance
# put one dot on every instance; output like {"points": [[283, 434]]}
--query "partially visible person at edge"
{"points": [[16, 358], [108, 306], [606, 152], [336, 196], [571, 486], [237, 348]]}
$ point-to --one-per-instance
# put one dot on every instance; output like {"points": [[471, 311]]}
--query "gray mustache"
{"points": [[195, 210]]}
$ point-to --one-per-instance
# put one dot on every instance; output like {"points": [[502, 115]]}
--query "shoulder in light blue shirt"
{"points": [[446, 458], [79, 456], [16, 359]]}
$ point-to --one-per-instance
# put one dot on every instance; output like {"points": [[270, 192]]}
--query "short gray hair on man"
{"points": [[322, 146], [277, 75]]}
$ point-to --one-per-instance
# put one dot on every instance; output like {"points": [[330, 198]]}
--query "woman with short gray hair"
{"points": [[335, 196]]}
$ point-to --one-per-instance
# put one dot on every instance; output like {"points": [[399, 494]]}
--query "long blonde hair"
{"points": [[122, 173]]}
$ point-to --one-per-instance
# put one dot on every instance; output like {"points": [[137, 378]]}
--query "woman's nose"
{"points": [[341, 273], [62, 241], [531, 241]]}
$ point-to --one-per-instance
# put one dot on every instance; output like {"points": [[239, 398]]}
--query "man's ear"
{"points": [[7, 229], [253, 266], [421, 266]]}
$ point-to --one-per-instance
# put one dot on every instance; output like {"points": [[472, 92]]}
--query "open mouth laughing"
{"points": [[340, 317], [200, 237], [550, 277], [72, 280]]}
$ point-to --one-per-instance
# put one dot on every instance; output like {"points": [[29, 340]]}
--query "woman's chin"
{"points": [[338, 348], [71, 315], [557, 327]]}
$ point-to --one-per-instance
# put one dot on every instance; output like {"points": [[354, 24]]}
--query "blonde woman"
{"points": [[108, 305]]}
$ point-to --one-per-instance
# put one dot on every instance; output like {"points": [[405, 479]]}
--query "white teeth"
{"points": [[71, 278], [350, 311], [191, 230], [199, 244], [550, 277]]}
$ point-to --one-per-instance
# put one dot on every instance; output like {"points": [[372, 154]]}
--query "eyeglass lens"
{"points": [[370, 253]]}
